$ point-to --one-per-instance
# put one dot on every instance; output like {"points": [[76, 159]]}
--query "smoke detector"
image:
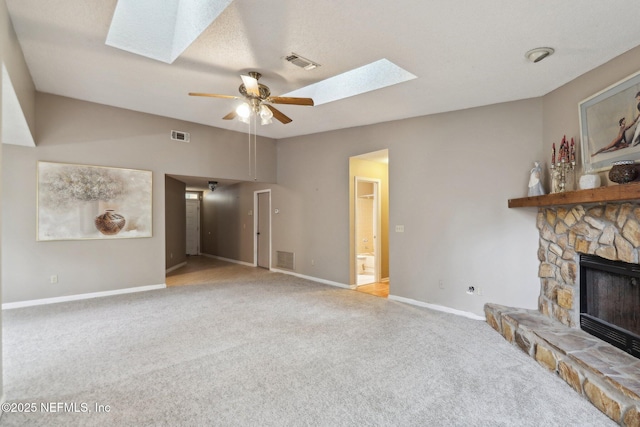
{"points": [[538, 54], [301, 62]]}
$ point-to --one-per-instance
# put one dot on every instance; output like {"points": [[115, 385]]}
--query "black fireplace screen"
{"points": [[610, 301]]}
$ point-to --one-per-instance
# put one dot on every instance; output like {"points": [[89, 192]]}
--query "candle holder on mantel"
{"points": [[563, 176], [563, 172]]}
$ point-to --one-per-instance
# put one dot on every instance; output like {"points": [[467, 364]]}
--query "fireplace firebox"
{"points": [[610, 301]]}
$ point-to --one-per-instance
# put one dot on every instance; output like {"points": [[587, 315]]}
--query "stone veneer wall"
{"points": [[611, 231]]}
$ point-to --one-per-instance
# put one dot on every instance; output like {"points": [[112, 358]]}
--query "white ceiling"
{"points": [[465, 53]]}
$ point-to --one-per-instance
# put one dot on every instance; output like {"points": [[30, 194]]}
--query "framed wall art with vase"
{"points": [[609, 125], [93, 202]]}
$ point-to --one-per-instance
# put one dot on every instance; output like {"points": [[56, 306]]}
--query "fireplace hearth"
{"points": [[610, 301], [589, 337]]}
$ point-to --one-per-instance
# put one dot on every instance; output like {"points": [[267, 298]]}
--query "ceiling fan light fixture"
{"points": [[243, 111], [265, 115], [538, 54], [255, 94]]}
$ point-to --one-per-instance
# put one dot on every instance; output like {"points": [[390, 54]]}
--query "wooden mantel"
{"points": [[614, 193]]}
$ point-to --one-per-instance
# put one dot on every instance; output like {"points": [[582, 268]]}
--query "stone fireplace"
{"points": [[607, 376], [611, 232]]}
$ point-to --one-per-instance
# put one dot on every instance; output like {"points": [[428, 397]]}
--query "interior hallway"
{"points": [[202, 269]]}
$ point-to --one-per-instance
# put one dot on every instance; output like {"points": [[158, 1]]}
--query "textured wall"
{"points": [[73, 131], [561, 105], [12, 60], [228, 221], [450, 176]]}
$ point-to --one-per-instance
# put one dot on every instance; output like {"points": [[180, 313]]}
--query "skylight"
{"points": [[378, 74], [161, 32]]}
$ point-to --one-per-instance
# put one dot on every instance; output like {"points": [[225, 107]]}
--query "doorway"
{"points": [[369, 233], [367, 229], [193, 225], [262, 229]]}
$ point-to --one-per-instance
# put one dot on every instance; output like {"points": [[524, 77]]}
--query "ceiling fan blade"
{"points": [[213, 95], [290, 100], [232, 115], [278, 114], [251, 84]]}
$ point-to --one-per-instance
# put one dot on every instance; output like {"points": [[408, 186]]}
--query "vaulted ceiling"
{"points": [[463, 53]]}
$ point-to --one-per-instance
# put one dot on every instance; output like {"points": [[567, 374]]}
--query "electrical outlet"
{"points": [[479, 291], [441, 284], [313, 262], [54, 278]]}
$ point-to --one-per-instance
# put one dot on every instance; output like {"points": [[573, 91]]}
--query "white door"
{"points": [[263, 229], [193, 227]]}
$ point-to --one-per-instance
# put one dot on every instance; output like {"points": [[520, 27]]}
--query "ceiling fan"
{"points": [[258, 101]]}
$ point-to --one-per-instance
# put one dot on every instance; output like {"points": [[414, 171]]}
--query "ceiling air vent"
{"points": [[301, 62], [178, 135], [285, 260]]}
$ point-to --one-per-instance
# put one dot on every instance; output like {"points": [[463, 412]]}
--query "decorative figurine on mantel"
{"points": [[563, 172], [535, 186], [589, 180]]}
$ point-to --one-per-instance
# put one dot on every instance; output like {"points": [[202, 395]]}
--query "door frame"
{"points": [[377, 218], [256, 212]]}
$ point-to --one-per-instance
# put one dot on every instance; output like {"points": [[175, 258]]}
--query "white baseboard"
{"points": [[437, 307], [30, 303], [314, 279], [175, 267], [235, 261]]}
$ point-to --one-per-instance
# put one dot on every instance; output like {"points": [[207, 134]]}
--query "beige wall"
{"points": [[208, 230], [227, 215], [175, 224], [73, 131], [12, 59], [450, 176], [561, 105]]}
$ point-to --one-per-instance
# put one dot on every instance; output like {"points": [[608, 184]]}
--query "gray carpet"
{"points": [[273, 350]]}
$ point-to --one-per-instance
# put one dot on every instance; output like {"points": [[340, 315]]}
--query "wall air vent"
{"points": [[285, 260], [178, 135], [301, 62]]}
